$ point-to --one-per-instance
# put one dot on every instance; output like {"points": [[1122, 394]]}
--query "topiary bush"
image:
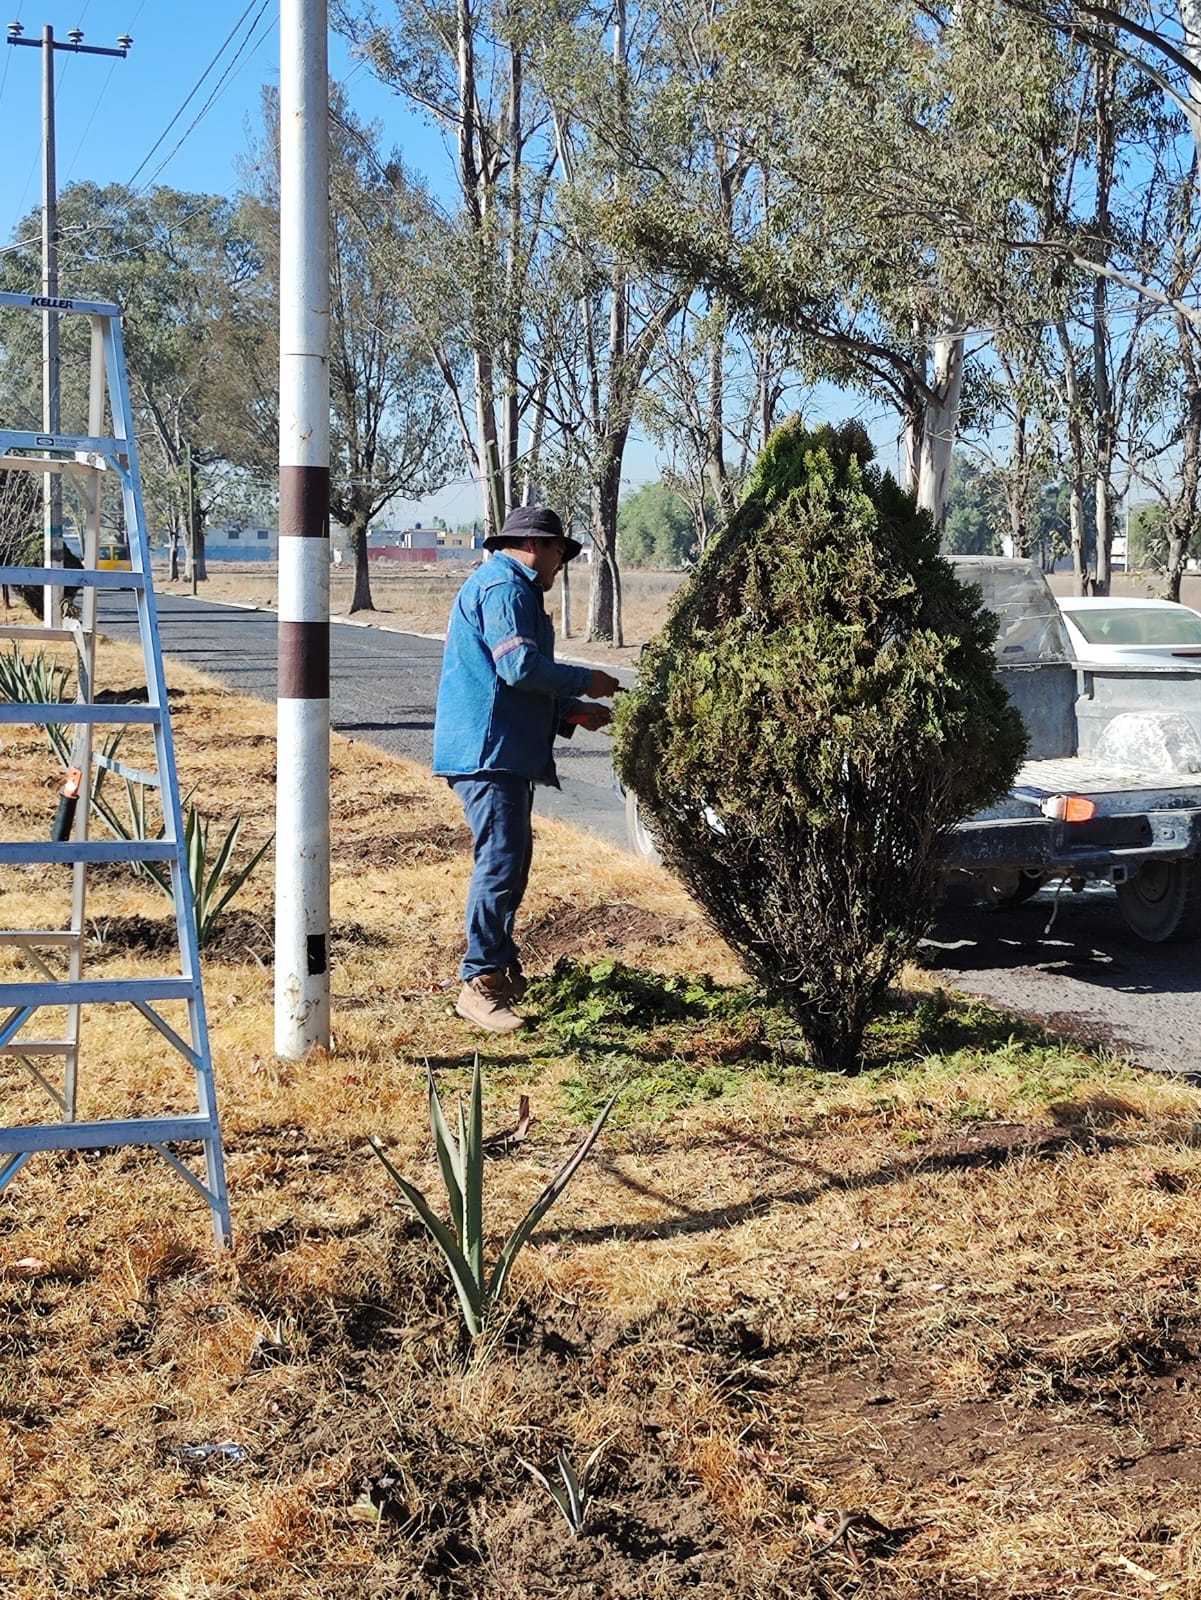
{"points": [[819, 710]]}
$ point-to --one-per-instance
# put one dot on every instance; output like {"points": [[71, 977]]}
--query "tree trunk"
{"points": [[1017, 487], [511, 342], [604, 600], [530, 478], [715, 458], [1076, 531], [1182, 519], [198, 560], [913, 417], [474, 184], [940, 425], [565, 601], [361, 598], [1103, 396]]}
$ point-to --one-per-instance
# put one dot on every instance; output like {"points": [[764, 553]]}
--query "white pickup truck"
{"points": [[1111, 787], [1119, 748]]}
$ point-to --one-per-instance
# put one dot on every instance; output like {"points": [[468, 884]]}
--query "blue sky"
{"points": [[110, 114], [149, 118]]}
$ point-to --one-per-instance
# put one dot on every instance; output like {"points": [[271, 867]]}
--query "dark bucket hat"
{"points": [[534, 522]]}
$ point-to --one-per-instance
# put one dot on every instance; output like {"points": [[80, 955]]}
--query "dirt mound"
{"points": [[411, 847], [564, 928]]}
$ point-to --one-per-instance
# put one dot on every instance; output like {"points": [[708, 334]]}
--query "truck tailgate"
{"points": [[1116, 791]]}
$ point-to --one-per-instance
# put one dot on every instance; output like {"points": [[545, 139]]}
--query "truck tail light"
{"points": [[1069, 808]]}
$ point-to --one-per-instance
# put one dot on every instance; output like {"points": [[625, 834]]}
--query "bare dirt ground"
{"points": [[928, 1332]]}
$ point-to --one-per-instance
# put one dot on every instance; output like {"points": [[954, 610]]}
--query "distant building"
{"points": [[241, 544], [419, 545]]}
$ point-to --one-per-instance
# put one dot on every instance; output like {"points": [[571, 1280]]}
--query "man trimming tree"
{"points": [[502, 700]]}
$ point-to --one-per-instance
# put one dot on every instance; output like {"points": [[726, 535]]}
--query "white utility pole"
{"points": [[48, 44], [302, 1020]]}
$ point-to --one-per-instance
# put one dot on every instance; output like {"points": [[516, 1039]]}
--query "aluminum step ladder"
{"points": [[52, 976]]}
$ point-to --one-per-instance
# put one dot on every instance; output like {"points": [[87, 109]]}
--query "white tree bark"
{"points": [[939, 427], [1190, 44]]}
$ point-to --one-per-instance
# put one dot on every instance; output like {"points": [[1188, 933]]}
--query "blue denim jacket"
{"points": [[502, 695]]}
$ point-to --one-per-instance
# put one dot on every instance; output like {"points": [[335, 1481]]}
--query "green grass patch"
{"points": [[672, 1041]]}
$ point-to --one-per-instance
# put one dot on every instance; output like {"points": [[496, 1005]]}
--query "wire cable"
{"points": [[7, 59], [99, 98], [145, 162], [208, 104]]}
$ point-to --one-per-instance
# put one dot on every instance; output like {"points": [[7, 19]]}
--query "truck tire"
{"points": [[637, 835], [1163, 901]]}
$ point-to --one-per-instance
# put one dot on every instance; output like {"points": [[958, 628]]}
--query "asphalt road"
{"points": [[1071, 964], [382, 690], [1076, 968]]}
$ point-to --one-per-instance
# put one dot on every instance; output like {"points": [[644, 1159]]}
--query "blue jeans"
{"points": [[498, 807]]}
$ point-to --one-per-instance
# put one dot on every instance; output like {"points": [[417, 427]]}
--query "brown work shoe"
{"points": [[484, 1002], [515, 982]]}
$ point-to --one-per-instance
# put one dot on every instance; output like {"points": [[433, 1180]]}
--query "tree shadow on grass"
{"points": [[988, 1147]]}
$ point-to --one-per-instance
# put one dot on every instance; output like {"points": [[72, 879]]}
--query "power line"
{"points": [[7, 59], [191, 94], [99, 97], [218, 89]]}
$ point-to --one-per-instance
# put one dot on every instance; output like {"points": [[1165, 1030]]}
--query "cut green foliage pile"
{"points": [[667, 1042], [819, 709]]}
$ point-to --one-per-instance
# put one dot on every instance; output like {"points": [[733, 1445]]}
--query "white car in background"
{"points": [[1108, 631]]}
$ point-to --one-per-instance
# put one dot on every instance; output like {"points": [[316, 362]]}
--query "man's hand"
{"points": [[591, 717], [601, 685]]}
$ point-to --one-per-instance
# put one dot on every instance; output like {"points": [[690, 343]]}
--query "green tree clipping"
{"points": [[819, 710]]}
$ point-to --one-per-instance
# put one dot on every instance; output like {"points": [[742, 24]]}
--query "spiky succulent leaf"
{"points": [[470, 1299], [450, 1156], [544, 1202]]}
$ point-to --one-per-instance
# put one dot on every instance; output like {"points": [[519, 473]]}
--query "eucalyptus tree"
{"points": [[558, 330], [887, 157], [714, 396], [185, 276], [391, 429], [465, 65]]}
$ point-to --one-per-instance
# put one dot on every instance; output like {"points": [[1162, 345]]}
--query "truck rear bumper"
{"points": [[1075, 849]]}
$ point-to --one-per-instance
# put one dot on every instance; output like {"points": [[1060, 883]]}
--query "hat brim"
{"points": [[495, 540]]}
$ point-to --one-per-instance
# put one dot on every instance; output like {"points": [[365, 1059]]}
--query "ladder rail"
{"points": [[98, 455]]}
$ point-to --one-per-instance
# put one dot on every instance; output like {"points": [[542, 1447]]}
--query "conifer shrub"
{"points": [[818, 711]]}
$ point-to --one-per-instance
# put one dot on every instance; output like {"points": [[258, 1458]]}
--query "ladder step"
{"points": [[39, 1047], [89, 850], [36, 633], [98, 1135], [73, 711], [37, 302], [62, 443], [36, 936], [91, 990], [70, 578]]}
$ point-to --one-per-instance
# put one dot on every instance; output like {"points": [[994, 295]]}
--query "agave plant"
{"points": [[574, 1497], [37, 681], [461, 1162], [34, 680], [212, 889]]}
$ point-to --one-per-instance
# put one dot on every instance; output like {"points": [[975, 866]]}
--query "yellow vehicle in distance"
{"points": [[113, 556]]}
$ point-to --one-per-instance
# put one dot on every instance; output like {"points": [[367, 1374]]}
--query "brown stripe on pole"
{"points": [[302, 1019], [303, 660], [304, 502]]}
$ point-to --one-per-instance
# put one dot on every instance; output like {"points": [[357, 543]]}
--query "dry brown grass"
{"points": [[419, 601], [959, 1293]]}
